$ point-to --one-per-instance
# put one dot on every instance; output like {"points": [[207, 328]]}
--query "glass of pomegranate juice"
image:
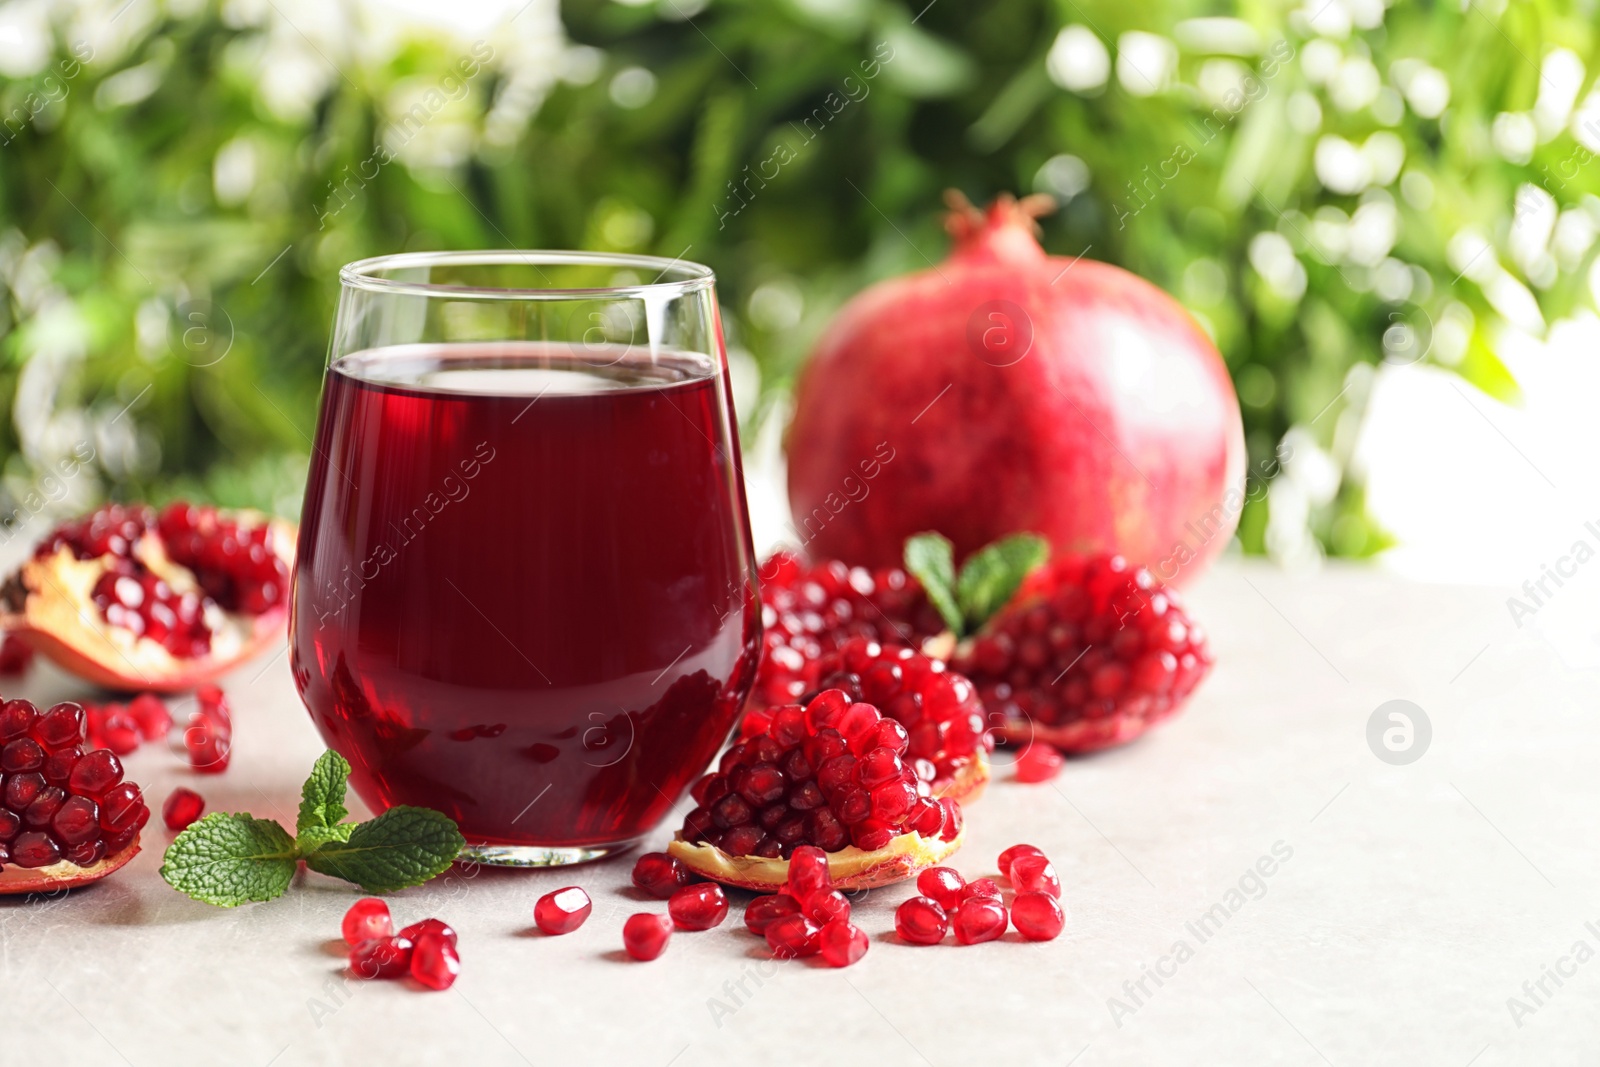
{"points": [[525, 590]]}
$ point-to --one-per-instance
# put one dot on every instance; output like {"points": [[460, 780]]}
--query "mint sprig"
{"points": [[232, 859], [987, 580]]}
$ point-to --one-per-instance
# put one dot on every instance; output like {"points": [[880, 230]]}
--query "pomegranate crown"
{"points": [[966, 223]]}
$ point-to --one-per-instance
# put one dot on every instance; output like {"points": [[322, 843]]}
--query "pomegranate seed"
{"points": [[1037, 916], [698, 907], [943, 885], [978, 919], [842, 944], [645, 935], [808, 872], [1035, 874], [16, 656], [95, 773], [151, 713], [208, 746], [182, 808], [660, 875], [34, 849], [1039, 762], [17, 718], [434, 962], [62, 726], [120, 806], [381, 957], [762, 911], [827, 907], [119, 731], [367, 919], [1009, 856], [792, 936], [921, 921], [76, 821], [984, 888], [563, 911], [23, 754], [430, 928]]}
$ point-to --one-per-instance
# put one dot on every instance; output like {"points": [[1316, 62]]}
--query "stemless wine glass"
{"points": [[525, 591]]}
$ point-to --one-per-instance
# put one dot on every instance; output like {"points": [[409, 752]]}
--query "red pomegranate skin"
{"points": [[1116, 429]]}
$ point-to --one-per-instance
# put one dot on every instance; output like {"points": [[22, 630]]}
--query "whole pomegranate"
{"points": [[1014, 390]]}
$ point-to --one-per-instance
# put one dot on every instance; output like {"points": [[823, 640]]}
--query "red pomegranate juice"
{"points": [[524, 592]]}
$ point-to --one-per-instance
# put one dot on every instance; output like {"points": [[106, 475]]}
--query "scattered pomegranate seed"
{"points": [[1009, 856], [1035, 874], [183, 807], [645, 935], [942, 885], [921, 921], [698, 907], [16, 656], [984, 888], [434, 962], [368, 918], [842, 944], [824, 908], [1037, 916], [762, 911], [792, 936], [660, 875], [978, 919], [208, 746], [152, 716], [381, 957], [1039, 762], [429, 928], [563, 911], [808, 872]]}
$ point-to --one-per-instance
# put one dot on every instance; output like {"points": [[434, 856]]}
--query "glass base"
{"points": [[539, 855]]}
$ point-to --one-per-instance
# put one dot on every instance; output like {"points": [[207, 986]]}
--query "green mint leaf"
{"points": [[314, 837], [230, 860], [322, 797], [991, 575], [931, 561], [403, 847]]}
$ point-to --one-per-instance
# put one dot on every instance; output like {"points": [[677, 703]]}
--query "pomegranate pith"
{"points": [[1089, 653], [645, 936], [563, 911]]}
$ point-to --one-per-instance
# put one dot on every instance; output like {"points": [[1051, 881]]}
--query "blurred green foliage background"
{"points": [[1326, 187]]}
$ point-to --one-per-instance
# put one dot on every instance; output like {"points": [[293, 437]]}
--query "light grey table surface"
{"points": [[1415, 901]]}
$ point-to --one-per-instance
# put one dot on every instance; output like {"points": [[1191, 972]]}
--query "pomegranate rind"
{"points": [[63, 875], [49, 604], [850, 868]]}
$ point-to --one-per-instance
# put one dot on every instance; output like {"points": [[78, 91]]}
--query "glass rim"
{"points": [[366, 274]]}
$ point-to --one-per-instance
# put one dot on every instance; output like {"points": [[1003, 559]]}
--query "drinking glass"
{"points": [[525, 590]]}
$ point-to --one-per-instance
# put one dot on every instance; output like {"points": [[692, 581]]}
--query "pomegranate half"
{"points": [[1011, 390], [132, 600], [835, 774]]}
